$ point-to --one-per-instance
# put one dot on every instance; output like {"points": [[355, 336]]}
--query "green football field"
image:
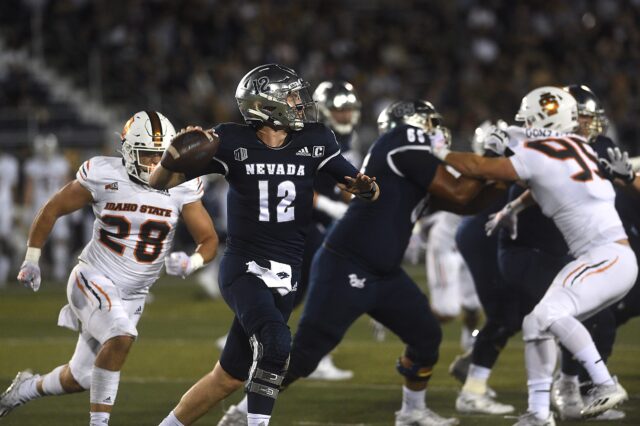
{"points": [[177, 346]]}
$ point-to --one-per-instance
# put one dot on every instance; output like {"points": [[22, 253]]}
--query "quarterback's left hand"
{"points": [[618, 165], [362, 186], [179, 264]]}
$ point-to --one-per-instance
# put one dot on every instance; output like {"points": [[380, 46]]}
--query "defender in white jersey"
{"points": [[8, 182], [562, 173], [132, 236]]}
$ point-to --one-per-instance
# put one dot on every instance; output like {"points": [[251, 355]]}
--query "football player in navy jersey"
{"points": [[270, 164], [356, 272]]}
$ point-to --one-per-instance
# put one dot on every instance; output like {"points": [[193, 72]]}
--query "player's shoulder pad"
{"points": [[233, 134], [100, 167], [319, 132], [189, 191], [405, 134]]}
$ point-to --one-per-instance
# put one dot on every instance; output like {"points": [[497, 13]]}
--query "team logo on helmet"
{"points": [[549, 103]]}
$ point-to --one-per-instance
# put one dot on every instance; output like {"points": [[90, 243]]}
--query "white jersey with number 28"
{"points": [[134, 225]]}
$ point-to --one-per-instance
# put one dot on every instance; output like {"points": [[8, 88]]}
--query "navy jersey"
{"points": [[535, 230], [376, 235], [270, 196], [326, 185]]}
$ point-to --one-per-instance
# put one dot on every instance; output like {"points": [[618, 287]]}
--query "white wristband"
{"points": [[196, 261], [33, 254]]}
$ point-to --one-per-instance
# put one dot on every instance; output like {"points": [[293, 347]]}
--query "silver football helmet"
{"points": [[589, 107], [417, 113], [333, 97], [146, 131], [549, 107], [274, 95]]}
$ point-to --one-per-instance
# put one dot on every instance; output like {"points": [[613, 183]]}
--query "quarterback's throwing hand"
{"points": [[29, 275]]}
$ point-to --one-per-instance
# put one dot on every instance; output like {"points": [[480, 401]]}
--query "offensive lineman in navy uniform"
{"points": [[358, 272], [271, 164]]}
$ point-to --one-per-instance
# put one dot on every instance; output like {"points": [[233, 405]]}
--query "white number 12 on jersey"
{"points": [[284, 210]]}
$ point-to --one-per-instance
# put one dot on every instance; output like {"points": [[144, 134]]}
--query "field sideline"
{"points": [[176, 347]]}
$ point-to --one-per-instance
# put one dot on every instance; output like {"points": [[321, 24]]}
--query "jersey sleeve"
{"points": [[333, 163], [88, 176], [415, 163], [191, 191], [519, 162]]}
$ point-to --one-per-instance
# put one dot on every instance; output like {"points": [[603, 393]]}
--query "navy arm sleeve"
{"points": [[417, 165], [338, 167], [334, 163]]}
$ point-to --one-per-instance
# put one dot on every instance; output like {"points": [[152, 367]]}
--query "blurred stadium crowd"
{"points": [[473, 59]]}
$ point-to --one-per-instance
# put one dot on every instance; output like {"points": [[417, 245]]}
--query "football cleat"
{"points": [[601, 398], [566, 399], [11, 397], [233, 417], [424, 417], [529, 419], [471, 403], [327, 370]]}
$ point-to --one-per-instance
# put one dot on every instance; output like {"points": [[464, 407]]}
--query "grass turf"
{"points": [[176, 347]]}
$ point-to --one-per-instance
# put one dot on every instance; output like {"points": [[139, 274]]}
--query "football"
{"points": [[190, 151]]}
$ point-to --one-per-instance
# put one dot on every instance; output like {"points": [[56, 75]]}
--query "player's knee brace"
{"points": [[417, 366], [271, 348]]}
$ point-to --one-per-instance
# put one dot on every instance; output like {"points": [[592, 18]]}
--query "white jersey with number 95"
{"points": [[562, 172], [134, 225]]}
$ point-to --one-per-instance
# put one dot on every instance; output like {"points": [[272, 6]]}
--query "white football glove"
{"points": [[29, 275], [618, 165], [496, 141], [180, 264], [439, 144], [505, 218]]}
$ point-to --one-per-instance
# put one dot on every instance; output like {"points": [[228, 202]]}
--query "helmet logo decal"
{"points": [[261, 85], [549, 103], [156, 128], [405, 108]]}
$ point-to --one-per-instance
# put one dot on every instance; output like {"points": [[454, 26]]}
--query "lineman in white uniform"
{"points": [[8, 182], [45, 173], [451, 287], [132, 235], [562, 173]]}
